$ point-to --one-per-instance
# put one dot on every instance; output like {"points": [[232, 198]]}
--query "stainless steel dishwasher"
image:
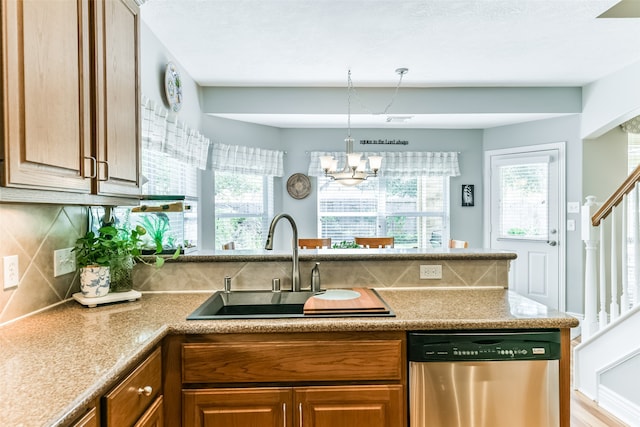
{"points": [[496, 378]]}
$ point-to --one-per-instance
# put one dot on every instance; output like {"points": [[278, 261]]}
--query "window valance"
{"points": [[164, 133], [631, 126], [247, 160], [398, 164]]}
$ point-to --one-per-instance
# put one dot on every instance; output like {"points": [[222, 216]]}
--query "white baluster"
{"points": [[590, 238], [614, 309], [624, 298], [602, 314]]}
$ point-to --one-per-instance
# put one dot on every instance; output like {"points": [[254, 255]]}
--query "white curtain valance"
{"points": [[164, 133], [631, 126], [398, 164], [247, 160]]}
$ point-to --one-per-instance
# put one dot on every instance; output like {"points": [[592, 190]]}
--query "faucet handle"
{"points": [[275, 285], [227, 284]]}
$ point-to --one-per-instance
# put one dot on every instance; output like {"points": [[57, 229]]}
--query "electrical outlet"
{"points": [[433, 271], [64, 262], [11, 271]]}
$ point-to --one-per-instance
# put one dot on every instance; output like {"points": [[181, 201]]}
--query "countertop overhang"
{"points": [[389, 254], [56, 362]]}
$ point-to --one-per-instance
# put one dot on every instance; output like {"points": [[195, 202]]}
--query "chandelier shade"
{"points": [[355, 168]]}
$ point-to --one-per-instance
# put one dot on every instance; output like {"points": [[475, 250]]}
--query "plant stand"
{"points": [[107, 299]]}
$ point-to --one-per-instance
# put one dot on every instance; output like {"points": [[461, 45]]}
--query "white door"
{"points": [[525, 200]]}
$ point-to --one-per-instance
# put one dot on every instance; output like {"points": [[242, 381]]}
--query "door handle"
{"points": [[552, 242]]}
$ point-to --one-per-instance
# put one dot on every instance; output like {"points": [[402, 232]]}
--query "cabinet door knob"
{"points": [[146, 390]]}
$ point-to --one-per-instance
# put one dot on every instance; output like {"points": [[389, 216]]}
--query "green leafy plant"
{"points": [[158, 231], [345, 244], [93, 249], [111, 244]]}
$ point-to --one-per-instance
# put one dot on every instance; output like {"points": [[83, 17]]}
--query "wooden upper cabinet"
{"points": [[70, 96], [117, 96], [46, 94]]}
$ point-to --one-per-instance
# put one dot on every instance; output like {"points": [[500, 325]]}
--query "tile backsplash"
{"points": [[33, 232]]}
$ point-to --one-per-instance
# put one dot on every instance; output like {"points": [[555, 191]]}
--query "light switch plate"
{"points": [[64, 262], [573, 207]]}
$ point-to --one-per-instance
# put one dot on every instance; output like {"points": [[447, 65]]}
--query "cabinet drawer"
{"points": [[128, 400], [291, 361]]}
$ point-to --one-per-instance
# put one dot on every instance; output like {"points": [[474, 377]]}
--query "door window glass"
{"points": [[524, 200]]}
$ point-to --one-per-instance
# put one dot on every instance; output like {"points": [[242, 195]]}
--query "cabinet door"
{"points": [[90, 419], [117, 109], [244, 407], [154, 416], [350, 406], [46, 97]]}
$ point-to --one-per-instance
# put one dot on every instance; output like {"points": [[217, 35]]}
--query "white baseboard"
{"points": [[619, 406]]}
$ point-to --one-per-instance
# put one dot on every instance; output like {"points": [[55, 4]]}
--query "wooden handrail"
{"points": [[616, 197]]}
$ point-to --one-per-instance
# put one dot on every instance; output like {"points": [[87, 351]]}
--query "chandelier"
{"points": [[355, 169]]}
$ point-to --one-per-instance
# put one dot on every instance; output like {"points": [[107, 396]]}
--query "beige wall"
{"points": [[33, 232], [209, 276]]}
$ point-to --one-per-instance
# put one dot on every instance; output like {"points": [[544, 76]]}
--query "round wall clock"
{"points": [[173, 87], [299, 186]]}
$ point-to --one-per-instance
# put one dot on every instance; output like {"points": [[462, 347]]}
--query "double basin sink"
{"points": [[270, 305]]}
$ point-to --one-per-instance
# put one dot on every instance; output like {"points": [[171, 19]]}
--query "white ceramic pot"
{"points": [[94, 281]]}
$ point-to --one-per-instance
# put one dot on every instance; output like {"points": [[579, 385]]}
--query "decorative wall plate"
{"points": [[299, 186], [173, 87]]}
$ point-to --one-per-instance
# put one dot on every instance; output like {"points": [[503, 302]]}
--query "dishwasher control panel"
{"points": [[484, 345]]}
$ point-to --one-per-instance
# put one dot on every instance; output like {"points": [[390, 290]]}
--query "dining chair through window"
{"points": [[458, 243], [375, 242], [314, 243]]}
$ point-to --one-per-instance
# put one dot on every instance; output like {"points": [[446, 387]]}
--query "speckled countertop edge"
{"points": [[76, 354], [348, 255]]}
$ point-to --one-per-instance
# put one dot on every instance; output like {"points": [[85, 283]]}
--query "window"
{"points": [[167, 176], [415, 210], [243, 207], [524, 199]]}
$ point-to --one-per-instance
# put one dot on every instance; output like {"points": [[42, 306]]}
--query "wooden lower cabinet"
{"points": [[265, 407], [349, 406], [310, 379], [137, 399], [154, 416], [90, 419], [322, 406]]}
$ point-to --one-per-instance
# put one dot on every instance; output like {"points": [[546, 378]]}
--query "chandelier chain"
{"points": [[351, 89]]}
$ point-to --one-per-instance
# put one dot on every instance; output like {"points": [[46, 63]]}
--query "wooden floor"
{"points": [[585, 413]]}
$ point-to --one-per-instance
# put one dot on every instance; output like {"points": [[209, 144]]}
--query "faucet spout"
{"points": [[295, 267]]}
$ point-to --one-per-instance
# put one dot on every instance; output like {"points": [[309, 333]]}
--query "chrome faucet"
{"points": [[295, 269]]}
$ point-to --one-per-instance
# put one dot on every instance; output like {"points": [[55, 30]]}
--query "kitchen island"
{"points": [[57, 362]]}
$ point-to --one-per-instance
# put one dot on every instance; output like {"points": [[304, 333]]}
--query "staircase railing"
{"points": [[612, 264]]}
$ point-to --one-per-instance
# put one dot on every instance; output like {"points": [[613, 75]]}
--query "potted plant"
{"points": [[116, 249], [93, 257], [126, 249]]}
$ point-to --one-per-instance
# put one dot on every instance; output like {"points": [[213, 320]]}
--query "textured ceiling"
{"points": [[442, 42]]}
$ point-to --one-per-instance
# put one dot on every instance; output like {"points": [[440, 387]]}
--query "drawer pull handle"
{"points": [[300, 412], [146, 390], [284, 414], [94, 167]]}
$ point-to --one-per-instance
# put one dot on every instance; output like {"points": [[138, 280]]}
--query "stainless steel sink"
{"points": [[251, 304], [262, 305]]}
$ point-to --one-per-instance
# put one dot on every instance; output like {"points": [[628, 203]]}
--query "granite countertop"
{"points": [[55, 362], [388, 254]]}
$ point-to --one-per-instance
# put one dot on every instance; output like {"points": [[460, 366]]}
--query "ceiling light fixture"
{"points": [[355, 169]]}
